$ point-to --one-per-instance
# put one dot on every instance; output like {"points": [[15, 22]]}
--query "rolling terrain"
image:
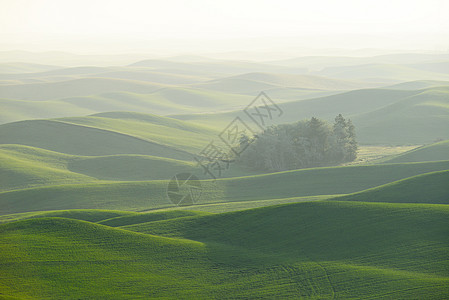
{"points": [[87, 152], [227, 254], [381, 116], [432, 152]]}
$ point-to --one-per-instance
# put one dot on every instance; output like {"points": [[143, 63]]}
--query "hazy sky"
{"points": [[207, 25]]}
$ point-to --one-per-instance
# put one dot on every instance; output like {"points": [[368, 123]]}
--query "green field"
{"points": [[432, 152], [214, 256], [87, 153]]}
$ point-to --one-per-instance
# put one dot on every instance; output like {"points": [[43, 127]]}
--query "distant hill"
{"points": [[418, 84], [418, 119], [315, 63], [381, 72], [82, 140], [21, 67], [147, 98], [73, 88], [215, 67], [253, 83], [381, 116]]}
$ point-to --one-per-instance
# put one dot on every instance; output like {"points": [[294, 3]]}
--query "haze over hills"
{"points": [[88, 152], [224, 150]]}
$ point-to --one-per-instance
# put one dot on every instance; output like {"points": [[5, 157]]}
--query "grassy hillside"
{"points": [[119, 258], [162, 101], [429, 188], [137, 218], [381, 116], [23, 167], [321, 250], [82, 140], [90, 215], [432, 152], [418, 119], [165, 131], [145, 195], [347, 103]]}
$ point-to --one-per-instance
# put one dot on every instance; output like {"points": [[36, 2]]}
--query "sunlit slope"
{"points": [[101, 262], [144, 195], [432, 188], [352, 243], [82, 140], [25, 167], [167, 131], [432, 152], [17, 110], [90, 215], [320, 250]]}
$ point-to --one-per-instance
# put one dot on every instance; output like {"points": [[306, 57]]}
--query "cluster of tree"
{"points": [[305, 144]]}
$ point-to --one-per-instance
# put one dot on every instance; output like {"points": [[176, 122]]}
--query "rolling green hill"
{"points": [[347, 103], [321, 250], [25, 167], [136, 218], [145, 195], [381, 116], [432, 152], [418, 119], [162, 101], [90, 215], [432, 188], [183, 136], [75, 139]]}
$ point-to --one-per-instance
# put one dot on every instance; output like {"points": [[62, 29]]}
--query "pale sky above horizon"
{"points": [[90, 25]]}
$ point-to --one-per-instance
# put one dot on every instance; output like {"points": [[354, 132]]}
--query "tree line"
{"points": [[304, 144]]}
